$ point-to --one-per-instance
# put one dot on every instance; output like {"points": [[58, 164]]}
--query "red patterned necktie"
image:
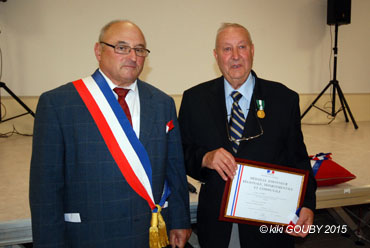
{"points": [[121, 99]]}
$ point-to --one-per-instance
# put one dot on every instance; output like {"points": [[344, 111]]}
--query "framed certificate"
{"points": [[262, 193]]}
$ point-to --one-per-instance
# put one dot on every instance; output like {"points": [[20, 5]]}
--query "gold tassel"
{"points": [[157, 233], [162, 230], [153, 232]]}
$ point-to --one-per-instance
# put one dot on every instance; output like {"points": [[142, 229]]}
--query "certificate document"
{"points": [[261, 193]]}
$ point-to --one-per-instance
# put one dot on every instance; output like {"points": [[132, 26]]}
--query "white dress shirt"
{"points": [[132, 100], [246, 90]]}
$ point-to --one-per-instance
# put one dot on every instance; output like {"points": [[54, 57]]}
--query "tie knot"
{"points": [[236, 96], [121, 92]]}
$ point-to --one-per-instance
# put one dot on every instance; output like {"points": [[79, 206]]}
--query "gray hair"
{"points": [[226, 25]]}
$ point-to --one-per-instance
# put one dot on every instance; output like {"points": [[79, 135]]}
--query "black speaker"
{"points": [[339, 12]]}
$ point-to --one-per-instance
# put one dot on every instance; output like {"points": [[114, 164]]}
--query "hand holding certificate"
{"points": [[261, 193]]}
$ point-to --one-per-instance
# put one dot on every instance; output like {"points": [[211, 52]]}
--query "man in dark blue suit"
{"points": [[89, 169], [270, 133]]}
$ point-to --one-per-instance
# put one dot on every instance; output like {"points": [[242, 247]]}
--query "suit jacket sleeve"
{"points": [[193, 153], [46, 177], [298, 153]]}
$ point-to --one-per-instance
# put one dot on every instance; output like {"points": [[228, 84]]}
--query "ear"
{"points": [[215, 54], [98, 50], [252, 50]]}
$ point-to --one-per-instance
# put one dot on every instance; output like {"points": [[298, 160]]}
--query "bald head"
{"points": [[118, 23], [121, 69]]}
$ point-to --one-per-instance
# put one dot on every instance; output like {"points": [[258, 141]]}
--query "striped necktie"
{"points": [[237, 120]]}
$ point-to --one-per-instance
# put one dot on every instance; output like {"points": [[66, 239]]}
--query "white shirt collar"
{"points": [[246, 89], [132, 86]]}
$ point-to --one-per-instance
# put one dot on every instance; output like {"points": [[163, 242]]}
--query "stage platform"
{"points": [[349, 147]]}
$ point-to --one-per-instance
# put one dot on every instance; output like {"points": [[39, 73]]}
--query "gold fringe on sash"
{"points": [[157, 232]]}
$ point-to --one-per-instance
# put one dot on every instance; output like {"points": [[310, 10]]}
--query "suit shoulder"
{"points": [[64, 89], [276, 88], [62, 96], [204, 87], [154, 91]]}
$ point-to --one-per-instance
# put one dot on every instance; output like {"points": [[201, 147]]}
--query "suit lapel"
{"points": [[251, 127], [146, 111], [217, 106]]}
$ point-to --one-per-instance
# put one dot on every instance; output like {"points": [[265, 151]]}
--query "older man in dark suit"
{"points": [[219, 121], [102, 170]]}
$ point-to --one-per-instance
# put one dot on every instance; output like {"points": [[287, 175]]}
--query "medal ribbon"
{"points": [[260, 104]]}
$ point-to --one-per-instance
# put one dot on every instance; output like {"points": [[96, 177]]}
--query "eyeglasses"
{"points": [[121, 48], [245, 138]]}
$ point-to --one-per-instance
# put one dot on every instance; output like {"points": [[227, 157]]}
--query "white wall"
{"points": [[46, 43]]}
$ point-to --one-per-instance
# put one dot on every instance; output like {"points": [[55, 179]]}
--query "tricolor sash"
{"points": [[126, 149]]}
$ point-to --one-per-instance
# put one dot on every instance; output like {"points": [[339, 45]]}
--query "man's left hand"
{"points": [[179, 237], [305, 220]]}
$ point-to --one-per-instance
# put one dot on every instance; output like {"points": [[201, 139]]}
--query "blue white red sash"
{"points": [[119, 136]]}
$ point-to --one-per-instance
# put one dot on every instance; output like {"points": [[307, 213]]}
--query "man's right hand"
{"points": [[222, 161]]}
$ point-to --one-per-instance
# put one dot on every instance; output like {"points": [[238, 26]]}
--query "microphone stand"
{"points": [[29, 111], [336, 88]]}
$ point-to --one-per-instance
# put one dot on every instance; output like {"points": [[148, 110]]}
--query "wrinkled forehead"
{"points": [[233, 35]]}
